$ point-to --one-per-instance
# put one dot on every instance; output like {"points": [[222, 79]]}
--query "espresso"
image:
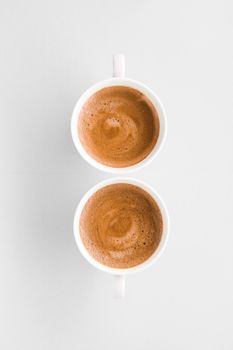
{"points": [[121, 225], [118, 126]]}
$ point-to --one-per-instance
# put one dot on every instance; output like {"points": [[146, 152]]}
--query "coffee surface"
{"points": [[118, 126], [121, 225]]}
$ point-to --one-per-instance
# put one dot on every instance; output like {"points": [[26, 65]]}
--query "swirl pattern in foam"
{"points": [[118, 126], [121, 225]]}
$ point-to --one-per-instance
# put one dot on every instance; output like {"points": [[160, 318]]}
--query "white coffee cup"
{"points": [[120, 274], [119, 80]]}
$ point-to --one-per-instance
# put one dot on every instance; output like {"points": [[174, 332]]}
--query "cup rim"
{"points": [[119, 81], [165, 235]]}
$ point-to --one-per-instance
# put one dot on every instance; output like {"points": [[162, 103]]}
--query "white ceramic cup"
{"points": [[119, 80], [120, 274]]}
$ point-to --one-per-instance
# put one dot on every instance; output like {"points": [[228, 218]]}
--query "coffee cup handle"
{"points": [[119, 287], [118, 65]]}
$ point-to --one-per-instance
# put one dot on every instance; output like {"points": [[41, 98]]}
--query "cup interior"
{"points": [[119, 82], [153, 257]]}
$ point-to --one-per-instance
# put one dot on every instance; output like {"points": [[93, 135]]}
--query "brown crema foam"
{"points": [[118, 126], [121, 225]]}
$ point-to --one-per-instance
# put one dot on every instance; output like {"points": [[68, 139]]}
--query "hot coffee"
{"points": [[121, 225], [118, 126]]}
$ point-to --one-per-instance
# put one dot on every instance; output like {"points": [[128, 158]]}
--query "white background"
{"points": [[51, 51]]}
